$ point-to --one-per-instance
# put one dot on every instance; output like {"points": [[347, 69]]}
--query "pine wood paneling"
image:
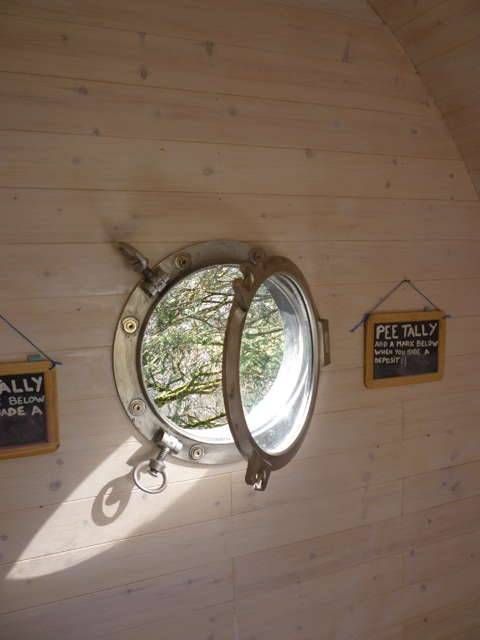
{"points": [[85, 216], [447, 624], [375, 614], [363, 581], [79, 471], [156, 600], [325, 475], [444, 414], [171, 17], [87, 321], [71, 51], [421, 532], [421, 564], [95, 568], [73, 525], [263, 26], [54, 271], [399, 12], [127, 111], [354, 9], [444, 485], [283, 524], [443, 41], [215, 621], [301, 126], [32, 159], [444, 28]]}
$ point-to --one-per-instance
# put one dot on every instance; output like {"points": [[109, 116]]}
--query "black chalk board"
{"points": [[404, 348], [28, 420]]}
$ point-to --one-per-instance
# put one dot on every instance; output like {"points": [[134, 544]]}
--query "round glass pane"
{"points": [[182, 352], [277, 364]]}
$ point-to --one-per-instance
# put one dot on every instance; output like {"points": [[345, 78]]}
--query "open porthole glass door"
{"points": [[216, 356], [269, 419]]}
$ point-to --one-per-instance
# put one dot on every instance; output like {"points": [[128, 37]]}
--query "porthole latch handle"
{"points": [[257, 473], [166, 443], [326, 352]]}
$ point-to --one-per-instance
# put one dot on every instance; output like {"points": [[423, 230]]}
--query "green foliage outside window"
{"points": [[183, 346]]}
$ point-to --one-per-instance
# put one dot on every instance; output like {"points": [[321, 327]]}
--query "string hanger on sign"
{"points": [[366, 315], [52, 361]]}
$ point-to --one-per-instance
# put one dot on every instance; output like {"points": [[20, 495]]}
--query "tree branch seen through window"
{"points": [[183, 346]]}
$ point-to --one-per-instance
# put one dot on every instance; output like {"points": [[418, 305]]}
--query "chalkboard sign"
{"points": [[404, 348], [28, 409]]}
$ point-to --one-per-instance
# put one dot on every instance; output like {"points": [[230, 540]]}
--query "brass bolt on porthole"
{"points": [[182, 261], [137, 407], [130, 325], [196, 452]]}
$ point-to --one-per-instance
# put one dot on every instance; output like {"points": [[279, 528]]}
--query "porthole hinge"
{"points": [[155, 279]]}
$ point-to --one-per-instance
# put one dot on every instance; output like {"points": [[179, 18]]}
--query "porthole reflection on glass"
{"points": [[276, 416]]}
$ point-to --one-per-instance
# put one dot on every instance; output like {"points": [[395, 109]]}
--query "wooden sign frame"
{"points": [[51, 407], [399, 317]]}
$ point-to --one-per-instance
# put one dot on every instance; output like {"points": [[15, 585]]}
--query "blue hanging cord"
{"points": [[53, 362], [365, 316]]}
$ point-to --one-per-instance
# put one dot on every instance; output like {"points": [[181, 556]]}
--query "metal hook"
{"points": [[135, 258], [155, 279]]}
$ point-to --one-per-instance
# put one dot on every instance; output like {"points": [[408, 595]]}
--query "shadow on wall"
{"points": [[113, 499], [59, 543], [121, 537]]}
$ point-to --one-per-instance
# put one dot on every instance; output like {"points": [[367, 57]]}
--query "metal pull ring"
{"points": [[166, 443], [146, 465]]}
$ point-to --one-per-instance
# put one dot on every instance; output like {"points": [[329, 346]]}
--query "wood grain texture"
{"points": [[54, 271], [153, 601], [397, 13], [354, 9], [444, 28], [255, 25], [443, 40], [37, 159], [56, 105], [300, 126], [448, 623], [71, 51], [96, 217], [171, 17]]}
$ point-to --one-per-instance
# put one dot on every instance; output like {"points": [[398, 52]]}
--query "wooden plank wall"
{"points": [[442, 38], [302, 126]]}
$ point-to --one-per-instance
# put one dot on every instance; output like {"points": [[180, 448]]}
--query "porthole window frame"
{"points": [[256, 267], [255, 274]]}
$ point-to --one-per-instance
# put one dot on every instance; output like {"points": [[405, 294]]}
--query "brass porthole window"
{"points": [[217, 356]]}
